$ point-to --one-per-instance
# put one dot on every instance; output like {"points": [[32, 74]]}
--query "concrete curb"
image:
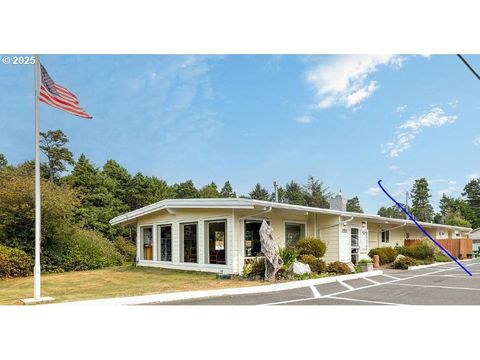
{"points": [[435, 264], [188, 295]]}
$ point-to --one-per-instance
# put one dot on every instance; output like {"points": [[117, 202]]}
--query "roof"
{"points": [[240, 203]]}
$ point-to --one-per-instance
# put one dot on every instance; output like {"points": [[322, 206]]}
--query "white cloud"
{"points": [[476, 141], [394, 167], [472, 176], [453, 103], [373, 191], [304, 119], [449, 190], [408, 131], [401, 108], [344, 79]]}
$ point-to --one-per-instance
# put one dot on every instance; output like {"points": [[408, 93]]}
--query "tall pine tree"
{"points": [[421, 209]]}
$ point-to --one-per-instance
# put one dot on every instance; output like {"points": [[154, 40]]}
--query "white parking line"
{"points": [[391, 277], [333, 295], [440, 287], [315, 292], [346, 285], [372, 281], [365, 301]]}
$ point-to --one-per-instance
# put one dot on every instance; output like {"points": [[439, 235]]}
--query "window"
{"points": [[252, 237], [147, 238], [293, 233], [164, 238], [354, 245], [385, 236], [216, 242], [188, 243]]}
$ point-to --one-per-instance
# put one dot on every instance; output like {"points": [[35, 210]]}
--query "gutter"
{"points": [[255, 215]]}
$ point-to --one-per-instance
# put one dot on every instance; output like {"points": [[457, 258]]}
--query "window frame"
{"points": [[245, 220], [182, 242], [142, 241], [293, 222], [159, 242], [206, 224], [385, 232]]}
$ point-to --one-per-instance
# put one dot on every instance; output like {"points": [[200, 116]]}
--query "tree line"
{"points": [[459, 211]]}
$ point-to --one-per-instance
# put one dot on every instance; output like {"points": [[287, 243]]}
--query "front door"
{"points": [[354, 245]]}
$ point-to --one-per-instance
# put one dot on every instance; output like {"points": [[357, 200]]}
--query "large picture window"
{"points": [[164, 241], [216, 242], [188, 243], [146, 233], [293, 233], [252, 237]]}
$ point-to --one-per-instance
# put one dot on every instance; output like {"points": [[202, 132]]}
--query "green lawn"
{"points": [[114, 282]]}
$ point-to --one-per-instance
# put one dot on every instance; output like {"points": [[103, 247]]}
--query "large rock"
{"points": [[351, 266], [298, 268], [399, 256]]}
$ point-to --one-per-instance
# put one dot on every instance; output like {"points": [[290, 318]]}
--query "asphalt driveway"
{"points": [[445, 284]]}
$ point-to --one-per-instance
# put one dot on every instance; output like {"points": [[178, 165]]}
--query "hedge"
{"points": [[316, 265], [311, 246], [14, 262], [386, 255], [338, 267]]}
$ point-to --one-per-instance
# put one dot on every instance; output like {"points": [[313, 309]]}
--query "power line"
{"points": [[468, 65]]}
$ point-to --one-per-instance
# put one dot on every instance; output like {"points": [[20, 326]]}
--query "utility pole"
{"points": [[406, 203], [275, 185]]}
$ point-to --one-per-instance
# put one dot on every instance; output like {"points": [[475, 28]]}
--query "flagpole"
{"points": [[38, 216]]}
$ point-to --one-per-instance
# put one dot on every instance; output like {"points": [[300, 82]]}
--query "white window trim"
{"points": [[205, 241], [382, 231], [299, 222], [242, 232], [157, 226], [140, 242], [181, 246]]}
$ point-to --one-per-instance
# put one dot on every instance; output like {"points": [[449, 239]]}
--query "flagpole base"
{"points": [[32, 301]]}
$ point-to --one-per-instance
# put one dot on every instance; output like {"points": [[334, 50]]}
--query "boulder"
{"points": [[351, 266], [298, 268], [399, 256]]}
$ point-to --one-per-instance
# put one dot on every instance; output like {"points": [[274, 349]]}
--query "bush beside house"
{"points": [[386, 255], [14, 262]]}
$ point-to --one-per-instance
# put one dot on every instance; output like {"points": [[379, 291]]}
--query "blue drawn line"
{"points": [[423, 230]]}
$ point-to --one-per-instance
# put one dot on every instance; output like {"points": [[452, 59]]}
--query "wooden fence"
{"points": [[457, 247]]}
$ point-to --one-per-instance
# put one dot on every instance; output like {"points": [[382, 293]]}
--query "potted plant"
{"points": [[366, 265]]}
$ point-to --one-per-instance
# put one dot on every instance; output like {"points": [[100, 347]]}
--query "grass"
{"points": [[114, 282]]}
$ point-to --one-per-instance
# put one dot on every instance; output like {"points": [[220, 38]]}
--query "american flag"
{"points": [[59, 97]]}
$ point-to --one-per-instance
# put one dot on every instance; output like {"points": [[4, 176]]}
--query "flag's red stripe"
{"points": [[48, 101], [53, 101], [66, 95], [59, 99], [66, 90]]}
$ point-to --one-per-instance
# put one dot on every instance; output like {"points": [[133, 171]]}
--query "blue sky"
{"points": [[347, 120]]}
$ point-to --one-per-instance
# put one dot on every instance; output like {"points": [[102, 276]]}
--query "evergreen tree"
{"points": [[421, 208], [294, 194], [393, 212], [227, 191], [472, 194], [53, 145], [118, 180], [353, 205], [259, 193], [3, 161], [185, 190], [145, 190], [209, 191], [315, 194]]}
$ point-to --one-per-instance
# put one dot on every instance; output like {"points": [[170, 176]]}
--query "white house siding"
{"points": [[192, 215], [328, 231]]}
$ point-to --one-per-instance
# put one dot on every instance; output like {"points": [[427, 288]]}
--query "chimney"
{"points": [[338, 202]]}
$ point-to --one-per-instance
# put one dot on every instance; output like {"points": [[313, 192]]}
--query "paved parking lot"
{"points": [[439, 285]]}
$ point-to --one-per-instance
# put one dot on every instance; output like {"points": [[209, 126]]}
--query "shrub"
{"points": [[386, 255], [125, 248], [311, 246], [365, 261], [404, 263], [288, 255], [338, 267], [316, 265], [253, 269], [425, 250], [442, 258], [81, 250], [14, 262]]}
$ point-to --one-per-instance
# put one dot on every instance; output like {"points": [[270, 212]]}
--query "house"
{"points": [[475, 236], [220, 235]]}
